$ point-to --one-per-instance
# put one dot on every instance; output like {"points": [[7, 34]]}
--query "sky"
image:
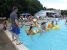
{"points": [[57, 4]]}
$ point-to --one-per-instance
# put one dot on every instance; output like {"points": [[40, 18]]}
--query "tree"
{"points": [[64, 12], [51, 9], [30, 6]]}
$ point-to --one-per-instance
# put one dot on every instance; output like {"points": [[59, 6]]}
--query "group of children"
{"points": [[43, 25]]}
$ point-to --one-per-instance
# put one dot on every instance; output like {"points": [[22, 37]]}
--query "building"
{"points": [[49, 13]]}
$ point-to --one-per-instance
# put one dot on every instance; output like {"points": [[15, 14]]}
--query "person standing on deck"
{"points": [[15, 25]]}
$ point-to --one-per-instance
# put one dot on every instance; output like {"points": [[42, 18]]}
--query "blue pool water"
{"points": [[52, 40]]}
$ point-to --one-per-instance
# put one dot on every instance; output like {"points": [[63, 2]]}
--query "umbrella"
{"points": [[25, 14]]}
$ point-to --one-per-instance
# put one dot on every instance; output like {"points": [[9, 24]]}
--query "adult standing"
{"points": [[15, 25]]}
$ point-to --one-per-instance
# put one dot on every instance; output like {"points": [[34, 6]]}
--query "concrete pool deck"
{"points": [[5, 42], [18, 47]]}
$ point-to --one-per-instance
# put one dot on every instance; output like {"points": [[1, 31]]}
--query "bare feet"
{"points": [[18, 43]]}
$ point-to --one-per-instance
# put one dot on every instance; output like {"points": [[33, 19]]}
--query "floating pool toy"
{"points": [[47, 29], [56, 27], [34, 31], [49, 26], [30, 32], [39, 31]]}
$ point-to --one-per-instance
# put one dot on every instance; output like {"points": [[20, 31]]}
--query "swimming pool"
{"points": [[52, 40]]}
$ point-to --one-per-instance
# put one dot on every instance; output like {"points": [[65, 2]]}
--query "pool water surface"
{"points": [[51, 40]]}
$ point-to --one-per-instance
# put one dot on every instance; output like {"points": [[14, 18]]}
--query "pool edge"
{"points": [[18, 47]]}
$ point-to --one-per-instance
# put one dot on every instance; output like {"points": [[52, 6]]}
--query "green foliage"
{"points": [[64, 12], [31, 6], [51, 9]]}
